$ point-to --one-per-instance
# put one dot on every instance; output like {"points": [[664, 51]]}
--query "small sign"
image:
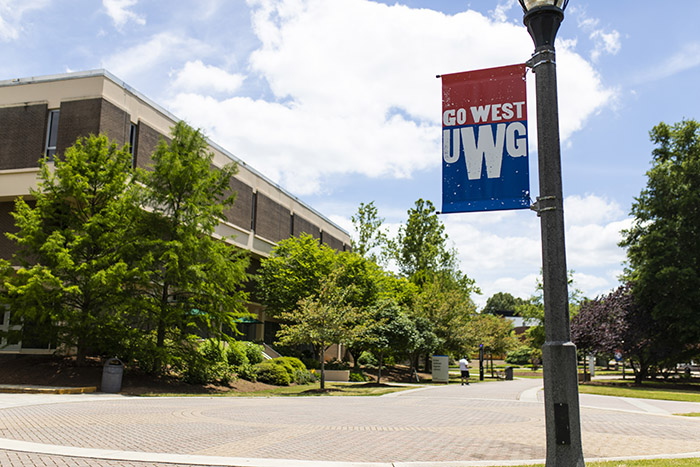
{"points": [[441, 368], [484, 140], [618, 355]]}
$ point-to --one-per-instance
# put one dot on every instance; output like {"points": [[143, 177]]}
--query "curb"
{"points": [[29, 389]]}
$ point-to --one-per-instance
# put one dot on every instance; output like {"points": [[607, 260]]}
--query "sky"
{"points": [[337, 101]]}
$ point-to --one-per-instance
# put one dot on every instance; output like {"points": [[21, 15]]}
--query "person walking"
{"points": [[464, 370]]}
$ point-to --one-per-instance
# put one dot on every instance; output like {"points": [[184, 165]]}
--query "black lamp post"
{"points": [[562, 416]]}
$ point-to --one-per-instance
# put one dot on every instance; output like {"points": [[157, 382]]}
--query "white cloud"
{"points": [[154, 53], [345, 101], [119, 11], [686, 58], [11, 13], [603, 41], [195, 76], [503, 261]]}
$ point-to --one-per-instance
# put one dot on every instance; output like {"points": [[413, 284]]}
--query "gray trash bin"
{"points": [[112, 373], [509, 373]]}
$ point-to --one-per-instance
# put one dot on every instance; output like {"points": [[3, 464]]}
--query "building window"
{"points": [[291, 225], [52, 134], [132, 143]]}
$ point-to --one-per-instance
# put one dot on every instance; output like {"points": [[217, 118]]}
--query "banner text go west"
{"points": [[484, 140]]}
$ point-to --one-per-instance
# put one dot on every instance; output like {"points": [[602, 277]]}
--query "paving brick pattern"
{"points": [[454, 423]]}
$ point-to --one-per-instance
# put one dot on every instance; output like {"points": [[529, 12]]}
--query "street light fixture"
{"points": [[562, 413]]}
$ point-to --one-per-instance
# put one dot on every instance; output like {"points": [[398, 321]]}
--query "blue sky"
{"points": [[337, 101]]}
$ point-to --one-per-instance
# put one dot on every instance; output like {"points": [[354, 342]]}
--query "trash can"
{"points": [[112, 373], [509, 373]]}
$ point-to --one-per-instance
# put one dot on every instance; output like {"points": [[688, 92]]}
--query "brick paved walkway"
{"points": [[473, 423]]}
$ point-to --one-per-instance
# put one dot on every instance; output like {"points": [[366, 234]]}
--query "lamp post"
{"points": [[562, 416]]}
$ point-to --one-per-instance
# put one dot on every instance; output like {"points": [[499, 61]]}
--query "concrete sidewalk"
{"points": [[495, 423]]}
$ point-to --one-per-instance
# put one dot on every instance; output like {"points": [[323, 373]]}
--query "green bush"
{"points": [[367, 359], [519, 356], [254, 352], [357, 377], [237, 354], [337, 365], [293, 362], [247, 372], [272, 372], [304, 377], [206, 363]]}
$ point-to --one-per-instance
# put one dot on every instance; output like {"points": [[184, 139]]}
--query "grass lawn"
{"points": [[689, 392], [640, 463], [314, 389]]}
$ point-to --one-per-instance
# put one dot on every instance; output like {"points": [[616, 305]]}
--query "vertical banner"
{"points": [[484, 140]]}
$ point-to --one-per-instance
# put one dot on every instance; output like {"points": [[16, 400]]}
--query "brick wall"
{"points": [[241, 211], [301, 225], [77, 119], [22, 135], [272, 219], [331, 241], [146, 143], [114, 122]]}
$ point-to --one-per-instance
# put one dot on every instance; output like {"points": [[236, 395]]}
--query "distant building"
{"points": [[44, 115], [519, 323]]}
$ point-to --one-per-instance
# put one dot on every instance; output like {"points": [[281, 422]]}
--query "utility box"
{"points": [[112, 374], [441, 369]]}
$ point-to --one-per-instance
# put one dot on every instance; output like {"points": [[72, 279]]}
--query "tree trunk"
{"points": [[323, 367], [379, 371]]}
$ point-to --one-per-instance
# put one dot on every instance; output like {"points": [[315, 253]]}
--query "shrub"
{"points": [[304, 377], [237, 354], [519, 356], [337, 365], [357, 377], [293, 362], [247, 372], [272, 372], [367, 359], [254, 352], [206, 363]]}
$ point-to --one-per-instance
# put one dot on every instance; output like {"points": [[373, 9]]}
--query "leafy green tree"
{"points": [[371, 242], [663, 244], [495, 333], [191, 279], [422, 247], [502, 301], [321, 319], [386, 330], [70, 247], [295, 270]]}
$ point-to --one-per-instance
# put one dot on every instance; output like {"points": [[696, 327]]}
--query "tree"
{"points": [[386, 329], [191, 280], [616, 321], [372, 241], [422, 244], [502, 301], [321, 319], [70, 247], [494, 332], [294, 270], [663, 245]]}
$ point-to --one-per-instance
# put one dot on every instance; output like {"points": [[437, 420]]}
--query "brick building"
{"points": [[45, 115]]}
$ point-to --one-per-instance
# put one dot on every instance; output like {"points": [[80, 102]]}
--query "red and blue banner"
{"points": [[484, 140]]}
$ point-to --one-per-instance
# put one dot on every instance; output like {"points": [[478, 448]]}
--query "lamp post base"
{"points": [[562, 415]]}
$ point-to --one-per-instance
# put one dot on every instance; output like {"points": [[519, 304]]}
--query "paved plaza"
{"points": [[493, 423]]}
